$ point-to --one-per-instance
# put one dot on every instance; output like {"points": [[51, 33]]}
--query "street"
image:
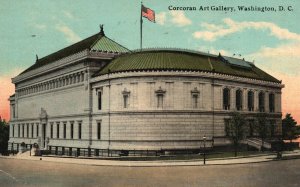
{"points": [[15, 172]]}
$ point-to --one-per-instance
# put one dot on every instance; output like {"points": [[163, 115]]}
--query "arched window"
{"points": [[239, 99], [250, 101], [261, 101], [272, 102], [226, 99]]}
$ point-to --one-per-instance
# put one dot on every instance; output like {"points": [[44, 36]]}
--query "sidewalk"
{"points": [[157, 163]]}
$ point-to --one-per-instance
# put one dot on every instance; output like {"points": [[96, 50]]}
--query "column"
{"points": [[278, 102], [255, 94], [245, 99], [232, 98]]}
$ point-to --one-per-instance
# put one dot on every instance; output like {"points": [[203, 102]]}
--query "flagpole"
{"points": [[141, 28]]}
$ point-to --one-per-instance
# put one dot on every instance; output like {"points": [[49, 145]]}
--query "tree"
{"points": [[290, 130], [235, 129], [261, 127], [4, 135]]}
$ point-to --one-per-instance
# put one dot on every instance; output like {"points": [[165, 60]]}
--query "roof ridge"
{"points": [[172, 49], [117, 43], [114, 46], [69, 46], [100, 36]]}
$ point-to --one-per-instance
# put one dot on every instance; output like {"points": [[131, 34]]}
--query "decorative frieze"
{"points": [[52, 84]]}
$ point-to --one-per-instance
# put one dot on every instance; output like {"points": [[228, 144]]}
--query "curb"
{"points": [[162, 164]]}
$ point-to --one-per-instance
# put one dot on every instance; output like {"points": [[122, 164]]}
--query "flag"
{"points": [[148, 13]]}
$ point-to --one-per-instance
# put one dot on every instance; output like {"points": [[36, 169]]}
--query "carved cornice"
{"points": [[64, 62], [183, 112], [52, 66], [195, 92], [160, 91], [208, 75], [125, 92]]}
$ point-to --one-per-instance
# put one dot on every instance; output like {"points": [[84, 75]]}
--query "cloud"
{"points": [[40, 26], [71, 36], [212, 50], [213, 31], [281, 61], [68, 14], [283, 58], [160, 18], [179, 18], [175, 18]]}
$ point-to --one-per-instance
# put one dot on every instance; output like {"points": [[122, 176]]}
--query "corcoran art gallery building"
{"points": [[98, 96]]}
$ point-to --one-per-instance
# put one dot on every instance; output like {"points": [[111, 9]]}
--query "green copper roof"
{"points": [[106, 44], [97, 42], [182, 60]]}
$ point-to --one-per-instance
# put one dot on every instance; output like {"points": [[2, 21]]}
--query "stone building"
{"points": [[98, 96]]}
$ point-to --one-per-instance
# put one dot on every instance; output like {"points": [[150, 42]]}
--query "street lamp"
{"points": [[13, 148], [204, 156]]}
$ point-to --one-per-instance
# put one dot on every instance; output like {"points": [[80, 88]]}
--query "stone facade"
{"points": [[62, 107], [182, 120]]}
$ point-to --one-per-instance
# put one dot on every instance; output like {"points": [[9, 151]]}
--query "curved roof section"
{"points": [[164, 60], [96, 42]]}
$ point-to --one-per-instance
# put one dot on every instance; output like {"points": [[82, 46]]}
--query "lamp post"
{"points": [[204, 156], [13, 151]]}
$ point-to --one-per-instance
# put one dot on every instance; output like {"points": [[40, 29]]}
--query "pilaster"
{"points": [[245, 99]]}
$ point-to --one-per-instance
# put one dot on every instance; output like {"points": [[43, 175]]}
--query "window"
{"points": [[79, 130], [272, 127], [27, 130], [195, 101], [72, 130], [160, 101], [14, 111], [23, 128], [65, 130], [57, 130], [98, 130], [261, 101], [31, 130], [13, 130], [226, 99], [195, 96], [37, 130], [19, 130], [227, 127], [51, 131], [272, 102], [250, 127], [250, 101], [99, 100], [125, 98], [239, 100], [160, 97]]}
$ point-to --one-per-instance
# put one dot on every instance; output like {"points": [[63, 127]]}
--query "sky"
{"points": [[270, 39]]}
